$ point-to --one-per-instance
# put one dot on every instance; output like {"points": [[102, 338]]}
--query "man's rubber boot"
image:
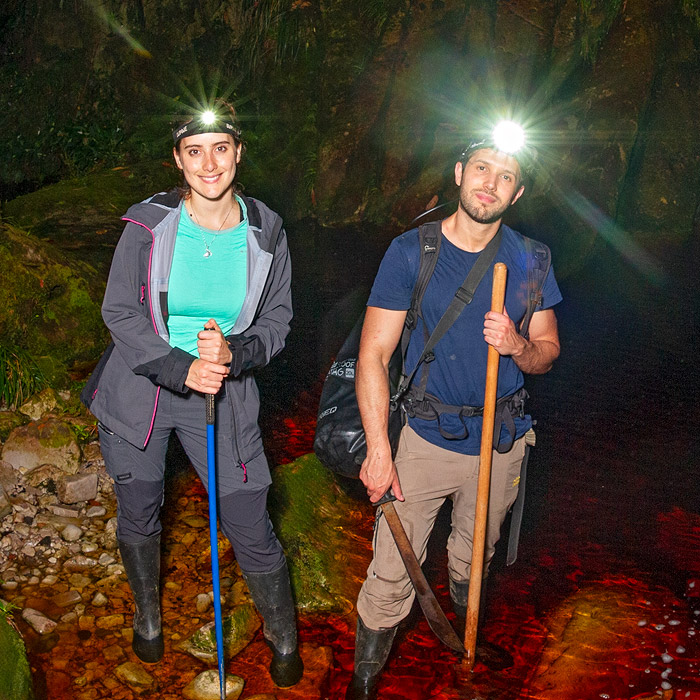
{"points": [[371, 652], [489, 654], [142, 565], [272, 595]]}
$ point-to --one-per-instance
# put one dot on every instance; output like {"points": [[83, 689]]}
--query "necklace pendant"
{"points": [[207, 253]]}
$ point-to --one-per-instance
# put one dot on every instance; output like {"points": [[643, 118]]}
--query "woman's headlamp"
{"points": [[208, 122]]}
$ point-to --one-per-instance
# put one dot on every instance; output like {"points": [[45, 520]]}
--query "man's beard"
{"points": [[479, 212]]}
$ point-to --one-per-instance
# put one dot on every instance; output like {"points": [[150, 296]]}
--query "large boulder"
{"points": [[326, 535], [49, 441]]}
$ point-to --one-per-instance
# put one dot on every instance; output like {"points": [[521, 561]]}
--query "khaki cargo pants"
{"points": [[429, 474]]}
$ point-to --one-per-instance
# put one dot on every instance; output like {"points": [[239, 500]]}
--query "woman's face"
{"points": [[208, 162]]}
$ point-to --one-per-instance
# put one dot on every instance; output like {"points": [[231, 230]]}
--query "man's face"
{"points": [[488, 184]]}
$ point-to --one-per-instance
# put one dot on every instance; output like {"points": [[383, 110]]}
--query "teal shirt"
{"points": [[201, 287]]}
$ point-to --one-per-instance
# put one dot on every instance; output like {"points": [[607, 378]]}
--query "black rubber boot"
{"points": [[371, 652], [272, 595], [142, 564], [489, 654]]}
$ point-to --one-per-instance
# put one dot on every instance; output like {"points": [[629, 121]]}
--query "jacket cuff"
{"points": [[174, 371], [247, 352]]}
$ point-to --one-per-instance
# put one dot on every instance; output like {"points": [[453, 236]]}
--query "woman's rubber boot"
{"points": [[489, 654], [371, 652], [142, 564], [272, 595]]}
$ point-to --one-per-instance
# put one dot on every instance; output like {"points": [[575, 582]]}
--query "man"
{"points": [[438, 453]]}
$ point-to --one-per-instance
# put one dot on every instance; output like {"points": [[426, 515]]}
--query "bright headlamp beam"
{"points": [[509, 137], [208, 117]]}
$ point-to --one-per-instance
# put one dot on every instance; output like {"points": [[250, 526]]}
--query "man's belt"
{"points": [[429, 407]]}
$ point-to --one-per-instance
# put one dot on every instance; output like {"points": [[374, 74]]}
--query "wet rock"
{"points": [[79, 563], [77, 488], [62, 512], [195, 521], [70, 597], [203, 603], [96, 511], [71, 533], [40, 404], [92, 453], [45, 475], [106, 559], [206, 687], [88, 547], [5, 505], [134, 676], [109, 622], [100, 600], [49, 441], [113, 653], [38, 621], [239, 629]]}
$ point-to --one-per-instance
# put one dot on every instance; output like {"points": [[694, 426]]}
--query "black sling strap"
{"points": [[462, 297]]}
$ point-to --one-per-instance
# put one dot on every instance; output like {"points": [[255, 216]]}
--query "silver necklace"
{"points": [[207, 251]]}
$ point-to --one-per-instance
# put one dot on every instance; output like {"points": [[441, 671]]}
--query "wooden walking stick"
{"points": [[484, 482]]}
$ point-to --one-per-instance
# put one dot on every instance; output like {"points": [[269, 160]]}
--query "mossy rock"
{"points": [[239, 628], [325, 533], [15, 676], [9, 420], [49, 304]]}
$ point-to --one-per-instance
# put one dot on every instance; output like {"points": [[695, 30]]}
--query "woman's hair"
{"points": [[225, 121]]}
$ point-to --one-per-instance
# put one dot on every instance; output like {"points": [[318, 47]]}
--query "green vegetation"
{"points": [[20, 377]]}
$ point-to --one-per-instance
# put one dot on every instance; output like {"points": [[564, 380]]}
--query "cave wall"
{"points": [[355, 111]]}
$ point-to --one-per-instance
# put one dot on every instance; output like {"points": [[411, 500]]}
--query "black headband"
{"points": [[197, 126]]}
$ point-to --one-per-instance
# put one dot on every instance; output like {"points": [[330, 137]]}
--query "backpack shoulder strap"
{"points": [[429, 238], [539, 260]]}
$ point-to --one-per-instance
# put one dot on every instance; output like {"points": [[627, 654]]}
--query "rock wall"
{"points": [[355, 111]]}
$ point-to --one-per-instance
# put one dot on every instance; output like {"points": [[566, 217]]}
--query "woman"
{"points": [[201, 257]]}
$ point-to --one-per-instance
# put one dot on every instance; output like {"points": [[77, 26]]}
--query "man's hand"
{"points": [[378, 474], [212, 345], [206, 377], [534, 356], [501, 333]]}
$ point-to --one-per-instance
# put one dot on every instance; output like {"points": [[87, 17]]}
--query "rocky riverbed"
{"points": [[62, 578]]}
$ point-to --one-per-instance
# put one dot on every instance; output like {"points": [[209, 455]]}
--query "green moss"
{"points": [[321, 530], [15, 676]]}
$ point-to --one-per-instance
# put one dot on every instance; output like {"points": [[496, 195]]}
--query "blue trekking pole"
{"points": [[214, 541]]}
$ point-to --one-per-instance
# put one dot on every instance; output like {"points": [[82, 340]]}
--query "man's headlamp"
{"points": [[507, 137], [208, 122]]}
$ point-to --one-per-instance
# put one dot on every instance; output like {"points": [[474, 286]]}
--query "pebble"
{"points": [[203, 602], [38, 621], [96, 512], [71, 533], [134, 675], [63, 600], [206, 687], [100, 600]]}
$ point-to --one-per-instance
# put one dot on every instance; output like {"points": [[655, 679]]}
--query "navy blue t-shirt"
{"points": [[458, 373]]}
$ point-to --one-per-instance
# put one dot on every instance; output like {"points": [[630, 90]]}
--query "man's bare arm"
{"points": [[533, 356], [381, 333]]}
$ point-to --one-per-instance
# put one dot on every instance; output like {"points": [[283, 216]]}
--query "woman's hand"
{"points": [[212, 345], [206, 377]]}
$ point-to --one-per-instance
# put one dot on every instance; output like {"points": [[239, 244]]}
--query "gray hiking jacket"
{"points": [[123, 391]]}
